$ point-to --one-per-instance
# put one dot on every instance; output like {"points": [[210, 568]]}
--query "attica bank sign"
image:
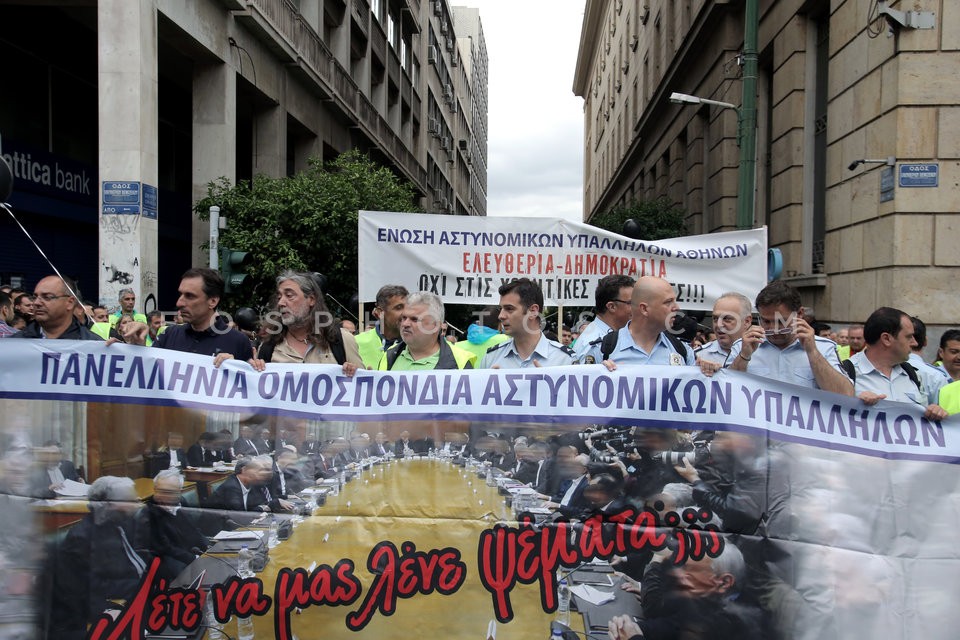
{"points": [[45, 174]]}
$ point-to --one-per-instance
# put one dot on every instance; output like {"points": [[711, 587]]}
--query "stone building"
{"points": [[839, 81], [117, 114]]}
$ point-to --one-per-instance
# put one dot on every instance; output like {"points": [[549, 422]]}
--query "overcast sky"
{"points": [[535, 163]]}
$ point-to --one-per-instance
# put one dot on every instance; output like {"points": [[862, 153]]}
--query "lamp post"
{"points": [[746, 140], [746, 118], [747, 176]]}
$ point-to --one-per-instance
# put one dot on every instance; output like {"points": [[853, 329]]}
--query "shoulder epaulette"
{"points": [[497, 346]]}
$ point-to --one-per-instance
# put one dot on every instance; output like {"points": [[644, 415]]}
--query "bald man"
{"points": [[53, 316], [647, 337]]}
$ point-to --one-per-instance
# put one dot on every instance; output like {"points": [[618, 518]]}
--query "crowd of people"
{"points": [[740, 479]]}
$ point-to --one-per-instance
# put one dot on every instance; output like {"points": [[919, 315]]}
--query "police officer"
{"points": [[647, 338], [521, 303]]}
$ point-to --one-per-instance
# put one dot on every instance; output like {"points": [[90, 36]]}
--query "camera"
{"points": [[699, 455]]}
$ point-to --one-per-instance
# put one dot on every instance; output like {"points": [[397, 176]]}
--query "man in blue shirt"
{"points": [[645, 339], [784, 346], [612, 307], [521, 303], [880, 370]]}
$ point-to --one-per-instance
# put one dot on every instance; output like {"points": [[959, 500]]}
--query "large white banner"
{"points": [[466, 259], [653, 396]]}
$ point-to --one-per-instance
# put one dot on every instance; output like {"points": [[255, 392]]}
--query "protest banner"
{"points": [[465, 259], [842, 513]]}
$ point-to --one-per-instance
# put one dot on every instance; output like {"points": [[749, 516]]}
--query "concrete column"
{"points": [[127, 94], [214, 140], [270, 140]]}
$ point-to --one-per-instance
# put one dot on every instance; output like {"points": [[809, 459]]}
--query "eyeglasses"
{"points": [[621, 301], [49, 297]]}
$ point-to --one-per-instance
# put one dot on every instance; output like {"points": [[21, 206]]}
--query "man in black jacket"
{"points": [[248, 489], [53, 316], [175, 534], [102, 559]]}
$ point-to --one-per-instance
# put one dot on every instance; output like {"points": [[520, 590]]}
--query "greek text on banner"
{"points": [[466, 259]]}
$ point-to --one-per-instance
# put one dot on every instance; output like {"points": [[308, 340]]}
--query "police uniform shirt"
{"points": [[932, 378], [712, 352], [627, 352], [789, 364], [898, 387], [549, 353], [594, 331]]}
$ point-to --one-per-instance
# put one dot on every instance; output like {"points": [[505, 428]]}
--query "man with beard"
{"points": [[307, 333]]}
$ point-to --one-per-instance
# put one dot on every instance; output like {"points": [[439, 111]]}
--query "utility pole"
{"points": [[747, 173]]}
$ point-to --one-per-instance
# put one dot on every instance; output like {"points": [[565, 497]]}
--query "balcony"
{"points": [[280, 26]]}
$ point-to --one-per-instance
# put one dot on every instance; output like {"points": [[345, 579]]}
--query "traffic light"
{"points": [[231, 268]]}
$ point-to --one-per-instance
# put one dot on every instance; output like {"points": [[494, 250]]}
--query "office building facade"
{"points": [[838, 82], [119, 113]]}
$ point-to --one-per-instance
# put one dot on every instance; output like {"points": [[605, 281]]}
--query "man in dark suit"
{"points": [[325, 464], [288, 478], [174, 528], [51, 471], [248, 489], [103, 558], [604, 493], [380, 445], [403, 443], [247, 444], [206, 451], [569, 498], [171, 455]]}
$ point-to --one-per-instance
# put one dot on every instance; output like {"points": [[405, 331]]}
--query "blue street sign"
{"points": [[919, 175], [121, 197], [149, 201]]}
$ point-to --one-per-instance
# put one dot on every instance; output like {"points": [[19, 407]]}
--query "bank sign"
{"points": [[43, 173]]}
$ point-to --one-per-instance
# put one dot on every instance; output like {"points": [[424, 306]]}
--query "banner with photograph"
{"points": [[410, 502], [466, 259]]}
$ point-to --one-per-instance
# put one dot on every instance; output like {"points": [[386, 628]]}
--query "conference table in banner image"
{"points": [[433, 504]]}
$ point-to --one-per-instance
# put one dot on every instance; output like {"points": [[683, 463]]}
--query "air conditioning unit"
{"points": [[634, 42], [432, 54], [626, 67], [445, 143], [455, 61], [463, 145], [453, 106], [444, 27], [433, 127], [438, 8], [448, 91], [449, 43]]}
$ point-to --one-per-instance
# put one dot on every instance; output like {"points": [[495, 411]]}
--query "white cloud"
{"points": [[535, 163]]}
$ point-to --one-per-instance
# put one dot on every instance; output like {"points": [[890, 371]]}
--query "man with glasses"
{"points": [[784, 347], [731, 318], [53, 316], [612, 309]]}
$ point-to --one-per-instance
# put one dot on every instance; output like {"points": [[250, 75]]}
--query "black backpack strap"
{"points": [[677, 343], [393, 353], [608, 345], [266, 351], [912, 373], [850, 369], [337, 349]]}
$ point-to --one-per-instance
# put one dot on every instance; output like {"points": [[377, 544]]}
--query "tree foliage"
{"points": [[656, 219], [306, 222]]}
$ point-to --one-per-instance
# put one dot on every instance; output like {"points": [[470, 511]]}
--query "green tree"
{"points": [[306, 222], [656, 219]]}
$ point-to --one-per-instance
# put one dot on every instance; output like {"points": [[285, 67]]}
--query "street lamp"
{"points": [[683, 98]]}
